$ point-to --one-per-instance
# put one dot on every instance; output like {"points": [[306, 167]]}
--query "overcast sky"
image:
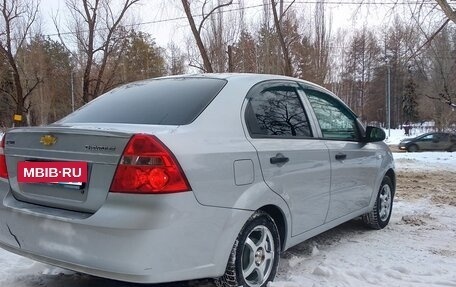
{"points": [[155, 15]]}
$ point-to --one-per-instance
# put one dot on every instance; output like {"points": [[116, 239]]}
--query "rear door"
{"points": [[354, 164], [294, 163], [440, 141]]}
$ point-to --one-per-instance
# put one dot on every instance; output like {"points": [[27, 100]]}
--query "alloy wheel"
{"points": [[385, 202], [258, 256]]}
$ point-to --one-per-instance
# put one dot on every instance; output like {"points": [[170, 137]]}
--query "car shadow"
{"points": [[82, 280]]}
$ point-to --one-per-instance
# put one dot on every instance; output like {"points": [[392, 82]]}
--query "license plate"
{"points": [[54, 172]]}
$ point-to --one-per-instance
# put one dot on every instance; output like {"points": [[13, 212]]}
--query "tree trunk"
{"points": [[86, 82], [288, 69], [19, 97], [447, 9], [206, 62]]}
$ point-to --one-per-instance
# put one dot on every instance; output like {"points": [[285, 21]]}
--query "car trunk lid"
{"points": [[100, 148]]}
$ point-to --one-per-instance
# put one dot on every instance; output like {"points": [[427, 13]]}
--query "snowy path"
{"points": [[418, 248]]}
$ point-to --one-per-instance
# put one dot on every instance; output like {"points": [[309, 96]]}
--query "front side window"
{"points": [[429, 137], [278, 112], [336, 121]]}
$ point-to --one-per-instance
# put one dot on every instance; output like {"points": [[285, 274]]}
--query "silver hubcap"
{"points": [[258, 256], [385, 202]]}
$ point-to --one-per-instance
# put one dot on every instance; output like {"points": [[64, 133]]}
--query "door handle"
{"points": [[279, 159], [341, 156]]}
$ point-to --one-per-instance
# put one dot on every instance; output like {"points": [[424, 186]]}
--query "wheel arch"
{"points": [[280, 220], [415, 145], [452, 148], [392, 175]]}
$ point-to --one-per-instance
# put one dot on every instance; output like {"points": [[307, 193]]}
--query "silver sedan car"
{"points": [[195, 176]]}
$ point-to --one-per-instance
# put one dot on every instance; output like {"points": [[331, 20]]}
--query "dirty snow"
{"points": [[418, 248]]}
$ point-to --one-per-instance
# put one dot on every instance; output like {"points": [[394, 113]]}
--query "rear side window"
{"points": [[277, 112], [176, 101]]}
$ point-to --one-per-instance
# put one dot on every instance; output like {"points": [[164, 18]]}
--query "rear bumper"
{"points": [[143, 239]]}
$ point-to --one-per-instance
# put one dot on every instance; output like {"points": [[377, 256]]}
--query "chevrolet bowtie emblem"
{"points": [[48, 140]]}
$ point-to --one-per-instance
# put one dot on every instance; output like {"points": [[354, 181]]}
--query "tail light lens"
{"points": [[3, 170], [148, 166]]}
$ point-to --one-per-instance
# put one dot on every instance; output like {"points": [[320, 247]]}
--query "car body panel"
{"points": [[186, 235], [141, 230], [352, 179], [101, 150]]}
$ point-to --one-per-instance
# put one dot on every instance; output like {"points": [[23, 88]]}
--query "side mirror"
{"points": [[374, 134]]}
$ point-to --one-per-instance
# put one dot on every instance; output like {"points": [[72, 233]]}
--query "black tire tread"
{"points": [[229, 279], [413, 145], [371, 219]]}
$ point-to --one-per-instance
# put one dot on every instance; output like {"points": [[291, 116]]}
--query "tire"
{"points": [[452, 148], [255, 255], [413, 148], [380, 215]]}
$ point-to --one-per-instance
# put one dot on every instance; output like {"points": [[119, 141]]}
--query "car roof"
{"points": [[254, 78], [434, 133]]}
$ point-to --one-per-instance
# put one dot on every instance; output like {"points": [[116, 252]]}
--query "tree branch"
{"points": [[200, 27], [444, 99], [29, 92], [286, 9], [428, 40]]}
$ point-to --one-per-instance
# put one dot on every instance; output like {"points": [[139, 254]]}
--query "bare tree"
{"points": [[52, 63], [197, 31], [278, 15], [176, 60], [245, 54], [17, 18], [321, 46], [99, 34], [442, 68]]}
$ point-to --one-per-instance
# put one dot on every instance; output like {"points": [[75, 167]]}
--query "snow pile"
{"points": [[425, 161], [396, 135]]}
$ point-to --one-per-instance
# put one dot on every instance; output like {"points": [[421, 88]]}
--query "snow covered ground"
{"points": [[431, 161], [418, 248]]}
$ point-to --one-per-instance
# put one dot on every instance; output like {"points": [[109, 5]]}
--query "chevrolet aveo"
{"points": [[198, 176]]}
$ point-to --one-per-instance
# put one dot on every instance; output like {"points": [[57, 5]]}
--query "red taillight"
{"points": [[147, 166], [3, 170]]}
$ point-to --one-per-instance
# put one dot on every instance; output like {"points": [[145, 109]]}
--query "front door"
{"points": [[354, 164]]}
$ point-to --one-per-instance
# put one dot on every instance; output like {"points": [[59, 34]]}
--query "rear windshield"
{"points": [[175, 101]]}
